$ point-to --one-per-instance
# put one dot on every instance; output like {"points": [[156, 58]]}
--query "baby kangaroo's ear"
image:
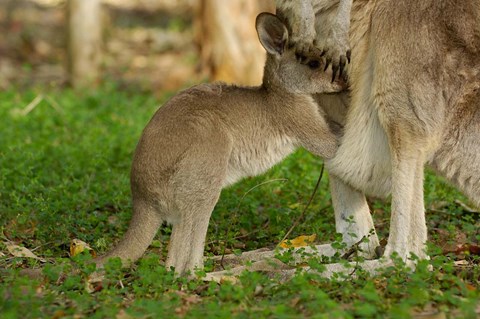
{"points": [[272, 33]]}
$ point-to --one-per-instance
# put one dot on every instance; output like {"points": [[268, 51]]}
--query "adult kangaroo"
{"points": [[415, 99]]}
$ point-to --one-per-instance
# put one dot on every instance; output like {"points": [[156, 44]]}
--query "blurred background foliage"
{"points": [[145, 45]]}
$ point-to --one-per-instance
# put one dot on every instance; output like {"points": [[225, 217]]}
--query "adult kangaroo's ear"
{"points": [[272, 33]]}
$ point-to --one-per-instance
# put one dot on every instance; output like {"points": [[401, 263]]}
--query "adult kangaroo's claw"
{"points": [[343, 62], [335, 48], [334, 72], [327, 63]]}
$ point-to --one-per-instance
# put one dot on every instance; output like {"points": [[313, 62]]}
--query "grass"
{"points": [[64, 174]]}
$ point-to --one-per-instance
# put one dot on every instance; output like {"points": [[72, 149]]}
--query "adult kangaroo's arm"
{"points": [[331, 42]]}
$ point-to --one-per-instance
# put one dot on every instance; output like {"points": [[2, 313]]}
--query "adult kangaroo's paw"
{"points": [[335, 49], [306, 51]]}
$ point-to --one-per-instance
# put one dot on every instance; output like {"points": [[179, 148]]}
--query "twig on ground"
{"points": [[32, 105], [353, 249], [53, 104], [36, 101]]}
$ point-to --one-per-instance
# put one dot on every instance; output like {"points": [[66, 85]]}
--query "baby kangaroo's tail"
{"points": [[142, 229]]}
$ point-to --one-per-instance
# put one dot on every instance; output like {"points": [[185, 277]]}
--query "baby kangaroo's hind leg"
{"points": [[196, 189], [185, 250]]}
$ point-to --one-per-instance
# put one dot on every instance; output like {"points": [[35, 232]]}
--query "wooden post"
{"points": [[84, 41]]}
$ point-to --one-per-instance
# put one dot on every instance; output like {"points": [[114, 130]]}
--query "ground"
{"points": [[64, 167]]}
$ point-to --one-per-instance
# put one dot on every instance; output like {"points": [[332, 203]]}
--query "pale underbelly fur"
{"points": [[363, 158], [256, 159]]}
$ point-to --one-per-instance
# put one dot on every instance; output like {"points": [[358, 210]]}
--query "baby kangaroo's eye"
{"points": [[314, 64]]}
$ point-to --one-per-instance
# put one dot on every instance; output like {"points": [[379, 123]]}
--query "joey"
{"points": [[210, 136]]}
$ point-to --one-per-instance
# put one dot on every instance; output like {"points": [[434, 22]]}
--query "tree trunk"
{"points": [[84, 42], [229, 46]]}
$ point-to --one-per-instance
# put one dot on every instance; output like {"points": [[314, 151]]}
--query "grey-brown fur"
{"points": [[313, 37], [415, 89], [210, 136]]}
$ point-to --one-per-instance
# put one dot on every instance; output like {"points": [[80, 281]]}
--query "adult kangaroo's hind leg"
{"points": [[408, 230], [418, 229], [412, 106]]}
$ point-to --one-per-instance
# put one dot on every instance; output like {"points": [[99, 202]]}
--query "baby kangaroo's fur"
{"points": [[212, 135]]}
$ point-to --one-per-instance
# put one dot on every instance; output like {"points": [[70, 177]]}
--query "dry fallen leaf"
{"points": [[122, 314], [187, 301], [470, 287], [300, 241], [77, 246], [231, 279], [58, 314], [94, 282], [19, 251]]}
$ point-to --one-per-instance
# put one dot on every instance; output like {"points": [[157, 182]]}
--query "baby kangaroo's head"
{"points": [[283, 70]]}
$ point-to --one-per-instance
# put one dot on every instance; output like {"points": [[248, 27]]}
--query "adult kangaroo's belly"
{"points": [[363, 158]]}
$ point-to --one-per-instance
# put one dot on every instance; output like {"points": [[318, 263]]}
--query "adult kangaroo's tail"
{"points": [[141, 231]]}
